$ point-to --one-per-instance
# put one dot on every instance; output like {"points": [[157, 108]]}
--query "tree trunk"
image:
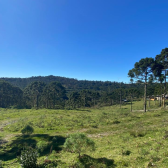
{"points": [[161, 94], [120, 99], [131, 102], [145, 92], [164, 91]]}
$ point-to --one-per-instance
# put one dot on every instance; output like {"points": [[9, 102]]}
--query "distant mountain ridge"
{"points": [[70, 84]]}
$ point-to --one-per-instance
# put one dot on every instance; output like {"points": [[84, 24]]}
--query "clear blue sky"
{"points": [[83, 39]]}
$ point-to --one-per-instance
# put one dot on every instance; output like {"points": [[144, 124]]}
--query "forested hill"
{"points": [[70, 84]]}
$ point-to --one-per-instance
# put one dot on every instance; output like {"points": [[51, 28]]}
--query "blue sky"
{"points": [[83, 39]]}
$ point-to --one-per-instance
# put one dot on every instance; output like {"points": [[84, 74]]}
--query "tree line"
{"points": [[55, 96]]}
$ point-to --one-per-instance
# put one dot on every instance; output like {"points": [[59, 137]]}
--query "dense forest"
{"points": [[55, 94], [147, 79]]}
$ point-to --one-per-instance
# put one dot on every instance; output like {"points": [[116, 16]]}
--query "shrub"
{"points": [[138, 133], [133, 133], [27, 130], [126, 152], [94, 125], [78, 143], [28, 158], [116, 122]]}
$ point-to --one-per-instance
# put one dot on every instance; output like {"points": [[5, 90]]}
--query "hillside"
{"points": [[70, 84]]}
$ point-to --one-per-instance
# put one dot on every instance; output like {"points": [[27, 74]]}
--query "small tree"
{"points": [[28, 158], [162, 62], [78, 143], [27, 130], [142, 71]]}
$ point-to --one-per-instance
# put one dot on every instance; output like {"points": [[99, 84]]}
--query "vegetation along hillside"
{"points": [[69, 83]]}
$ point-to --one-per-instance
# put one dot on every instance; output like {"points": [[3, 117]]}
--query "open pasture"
{"points": [[122, 138]]}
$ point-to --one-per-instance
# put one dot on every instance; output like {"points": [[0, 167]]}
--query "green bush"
{"points": [[126, 152], [27, 130], [78, 143], [116, 122], [138, 133], [28, 158]]}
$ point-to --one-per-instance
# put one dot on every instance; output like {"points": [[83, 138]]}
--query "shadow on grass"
{"points": [[2, 141], [13, 150], [49, 164], [88, 162], [129, 103]]}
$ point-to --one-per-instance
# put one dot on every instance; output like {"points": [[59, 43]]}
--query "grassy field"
{"points": [[123, 138]]}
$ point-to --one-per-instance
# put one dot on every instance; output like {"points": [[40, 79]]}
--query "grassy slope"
{"points": [[123, 138]]}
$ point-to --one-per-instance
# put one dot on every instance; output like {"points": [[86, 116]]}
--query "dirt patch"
{"points": [[146, 110], [7, 138], [101, 134], [5, 123]]}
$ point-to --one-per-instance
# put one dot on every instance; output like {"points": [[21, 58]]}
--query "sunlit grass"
{"points": [[123, 138]]}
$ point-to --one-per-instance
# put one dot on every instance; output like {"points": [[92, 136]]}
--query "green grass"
{"points": [[123, 138]]}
